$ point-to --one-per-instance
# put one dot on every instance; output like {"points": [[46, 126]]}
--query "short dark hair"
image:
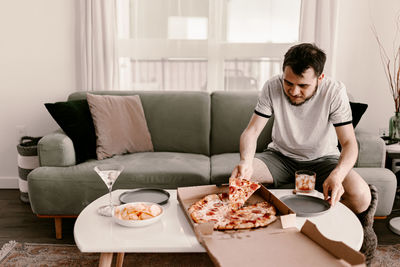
{"points": [[303, 56]]}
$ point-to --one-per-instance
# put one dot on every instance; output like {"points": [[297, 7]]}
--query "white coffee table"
{"points": [[95, 233]]}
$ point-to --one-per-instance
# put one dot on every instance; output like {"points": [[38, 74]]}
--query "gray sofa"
{"points": [[196, 142]]}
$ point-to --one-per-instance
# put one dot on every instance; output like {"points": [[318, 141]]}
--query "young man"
{"points": [[311, 112]]}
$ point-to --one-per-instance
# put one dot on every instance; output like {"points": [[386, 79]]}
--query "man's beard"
{"points": [[305, 100]]}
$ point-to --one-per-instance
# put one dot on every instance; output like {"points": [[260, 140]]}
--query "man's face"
{"points": [[299, 89]]}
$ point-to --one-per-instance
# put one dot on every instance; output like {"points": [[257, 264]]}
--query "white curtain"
{"points": [[98, 68], [318, 25]]}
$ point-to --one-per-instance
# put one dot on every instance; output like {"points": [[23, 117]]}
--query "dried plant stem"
{"points": [[391, 69]]}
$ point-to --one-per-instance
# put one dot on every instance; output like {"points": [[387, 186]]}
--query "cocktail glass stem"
{"points": [[109, 174], [109, 190]]}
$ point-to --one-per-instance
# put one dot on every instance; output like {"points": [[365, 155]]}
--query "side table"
{"points": [[393, 163]]}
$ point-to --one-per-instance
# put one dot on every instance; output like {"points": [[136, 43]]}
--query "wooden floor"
{"points": [[17, 222]]}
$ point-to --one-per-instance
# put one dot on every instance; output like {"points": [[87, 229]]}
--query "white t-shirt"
{"points": [[305, 132]]}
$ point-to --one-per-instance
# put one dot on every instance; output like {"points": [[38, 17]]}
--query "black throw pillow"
{"points": [[357, 110], [76, 121]]}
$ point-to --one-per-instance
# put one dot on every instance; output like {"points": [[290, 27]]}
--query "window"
{"points": [[263, 21], [189, 28], [203, 44]]}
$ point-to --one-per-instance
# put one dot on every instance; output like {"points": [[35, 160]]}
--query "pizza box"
{"points": [[278, 244]]}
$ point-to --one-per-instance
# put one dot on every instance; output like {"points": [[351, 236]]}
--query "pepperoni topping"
{"points": [[231, 190], [239, 182], [253, 187], [266, 215], [221, 212], [224, 195]]}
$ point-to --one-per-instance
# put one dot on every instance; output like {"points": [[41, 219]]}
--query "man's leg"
{"points": [[357, 194], [358, 198], [271, 167], [261, 172]]}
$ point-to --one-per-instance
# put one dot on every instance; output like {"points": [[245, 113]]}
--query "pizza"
{"points": [[240, 190], [216, 208]]}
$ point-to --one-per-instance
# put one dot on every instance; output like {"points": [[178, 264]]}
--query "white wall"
{"points": [[37, 65], [358, 59]]}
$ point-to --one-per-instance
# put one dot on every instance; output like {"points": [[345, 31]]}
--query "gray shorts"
{"points": [[283, 168]]}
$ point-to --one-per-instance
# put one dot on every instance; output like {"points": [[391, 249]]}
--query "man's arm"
{"points": [[248, 145], [348, 157]]}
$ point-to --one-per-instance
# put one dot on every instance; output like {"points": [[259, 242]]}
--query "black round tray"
{"points": [[155, 195], [306, 206]]}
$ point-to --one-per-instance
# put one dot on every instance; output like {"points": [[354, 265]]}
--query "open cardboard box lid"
{"points": [[278, 244]]}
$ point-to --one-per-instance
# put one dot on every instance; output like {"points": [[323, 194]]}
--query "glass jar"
{"points": [[394, 127]]}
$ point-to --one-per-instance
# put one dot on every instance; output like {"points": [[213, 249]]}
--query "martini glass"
{"points": [[109, 174]]}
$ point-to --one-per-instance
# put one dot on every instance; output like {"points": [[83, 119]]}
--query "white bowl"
{"points": [[137, 223]]}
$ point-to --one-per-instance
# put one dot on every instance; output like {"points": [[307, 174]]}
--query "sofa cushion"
{"points": [[230, 114], [222, 166], [67, 190], [177, 121], [75, 120], [120, 125], [371, 150]]}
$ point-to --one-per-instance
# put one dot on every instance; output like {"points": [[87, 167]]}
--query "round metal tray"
{"points": [[154, 195], [306, 206]]}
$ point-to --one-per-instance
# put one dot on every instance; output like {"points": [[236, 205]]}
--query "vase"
{"points": [[394, 127]]}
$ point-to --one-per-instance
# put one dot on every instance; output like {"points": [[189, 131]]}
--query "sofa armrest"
{"points": [[56, 150], [371, 150]]}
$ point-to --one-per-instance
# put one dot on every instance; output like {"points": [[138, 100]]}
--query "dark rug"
{"points": [[30, 254]]}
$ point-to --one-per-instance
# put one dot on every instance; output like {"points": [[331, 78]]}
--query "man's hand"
{"points": [[333, 189], [243, 170]]}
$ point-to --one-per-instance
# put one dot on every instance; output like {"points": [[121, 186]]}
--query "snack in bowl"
{"points": [[137, 214]]}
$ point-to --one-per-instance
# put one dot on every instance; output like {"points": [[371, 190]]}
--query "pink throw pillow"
{"points": [[120, 125]]}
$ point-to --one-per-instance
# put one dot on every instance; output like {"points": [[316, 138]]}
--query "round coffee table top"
{"points": [[339, 223], [95, 233]]}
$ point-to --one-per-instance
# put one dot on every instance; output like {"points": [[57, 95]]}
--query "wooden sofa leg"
{"points": [[58, 225]]}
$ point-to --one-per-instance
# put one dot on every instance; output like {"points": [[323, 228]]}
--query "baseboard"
{"points": [[9, 182]]}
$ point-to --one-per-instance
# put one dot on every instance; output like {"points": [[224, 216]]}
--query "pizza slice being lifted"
{"points": [[240, 191]]}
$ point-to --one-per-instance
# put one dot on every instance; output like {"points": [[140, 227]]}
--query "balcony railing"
{"points": [[191, 74]]}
